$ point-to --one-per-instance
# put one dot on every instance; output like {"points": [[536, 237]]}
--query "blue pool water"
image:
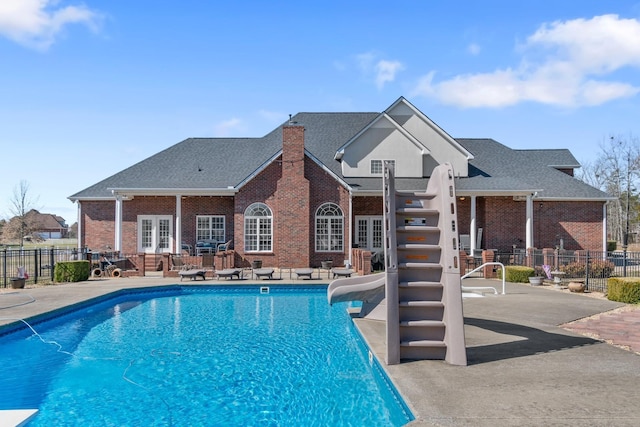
{"points": [[190, 356]]}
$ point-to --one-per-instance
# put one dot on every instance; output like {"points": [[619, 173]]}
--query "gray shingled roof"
{"points": [[219, 165]]}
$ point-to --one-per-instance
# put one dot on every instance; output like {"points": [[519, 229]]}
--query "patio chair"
{"points": [[177, 263], [224, 246]]}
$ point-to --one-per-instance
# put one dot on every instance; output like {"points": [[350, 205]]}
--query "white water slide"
{"points": [[419, 295]]}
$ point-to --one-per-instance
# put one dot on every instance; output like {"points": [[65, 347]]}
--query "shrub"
{"points": [[624, 289], [597, 268], [612, 245], [71, 271], [516, 273]]}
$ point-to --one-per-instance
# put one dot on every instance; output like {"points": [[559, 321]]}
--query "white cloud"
{"points": [[474, 49], [381, 70], [228, 127], [386, 72], [37, 23], [273, 116], [566, 64]]}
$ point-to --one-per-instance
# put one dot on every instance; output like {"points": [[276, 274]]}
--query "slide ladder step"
{"points": [[423, 265], [423, 323], [420, 284], [418, 247], [423, 343], [423, 304], [421, 228], [416, 210]]}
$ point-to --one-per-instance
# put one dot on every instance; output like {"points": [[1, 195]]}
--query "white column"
{"points": [[178, 228], [117, 244], [79, 222], [473, 233], [529, 223], [604, 227], [350, 228]]}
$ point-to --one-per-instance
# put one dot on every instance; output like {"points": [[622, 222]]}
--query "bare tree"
{"points": [[617, 171], [22, 224]]}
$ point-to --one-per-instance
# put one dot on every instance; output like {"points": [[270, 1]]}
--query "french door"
{"points": [[155, 233], [369, 233]]}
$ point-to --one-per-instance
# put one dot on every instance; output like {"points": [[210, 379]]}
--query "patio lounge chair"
{"points": [[264, 272], [229, 273], [193, 273], [304, 272], [342, 272]]}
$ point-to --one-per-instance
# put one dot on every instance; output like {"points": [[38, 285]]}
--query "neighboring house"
{"points": [[47, 226], [312, 189]]}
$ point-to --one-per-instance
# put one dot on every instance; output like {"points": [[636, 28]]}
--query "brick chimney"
{"points": [[292, 234]]}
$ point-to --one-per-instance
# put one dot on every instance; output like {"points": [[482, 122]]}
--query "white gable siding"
{"points": [[442, 147], [382, 141]]}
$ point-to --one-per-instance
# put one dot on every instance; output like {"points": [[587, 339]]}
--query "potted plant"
{"points": [[17, 282], [327, 264], [536, 280], [576, 285]]}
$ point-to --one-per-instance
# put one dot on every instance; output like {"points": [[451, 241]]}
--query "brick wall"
{"points": [[291, 218], [326, 189], [579, 224], [368, 205], [502, 219], [97, 225]]}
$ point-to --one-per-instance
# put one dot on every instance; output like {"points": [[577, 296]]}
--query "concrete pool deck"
{"points": [[524, 369]]}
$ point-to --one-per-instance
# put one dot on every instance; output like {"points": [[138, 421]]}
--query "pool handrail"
{"points": [[475, 288]]}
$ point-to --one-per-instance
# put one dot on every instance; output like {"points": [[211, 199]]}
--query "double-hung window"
{"points": [[258, 228], [329, 228]]}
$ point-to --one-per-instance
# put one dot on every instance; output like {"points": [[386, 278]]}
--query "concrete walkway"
{"points": [[524, 368]]}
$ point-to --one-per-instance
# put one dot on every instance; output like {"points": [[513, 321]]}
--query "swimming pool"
{"points": [[197, 355]]}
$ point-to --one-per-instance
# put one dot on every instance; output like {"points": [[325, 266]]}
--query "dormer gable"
{"points": [[405, 136], [382, 139], [442, 147]]}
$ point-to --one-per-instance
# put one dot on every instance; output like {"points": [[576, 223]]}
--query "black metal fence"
{"points": [[38, 263], [592, 267]]}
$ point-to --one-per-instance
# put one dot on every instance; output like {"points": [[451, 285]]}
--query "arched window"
{"points": [[258, 228], [329, 228]]}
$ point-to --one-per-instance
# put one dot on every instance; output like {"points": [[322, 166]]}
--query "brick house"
{"points": [[311, 189]]}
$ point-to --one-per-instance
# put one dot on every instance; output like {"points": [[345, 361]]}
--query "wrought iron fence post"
{"points": [[624, 261], [36, 265], [4, 267], [51, 263], [586, 271]]}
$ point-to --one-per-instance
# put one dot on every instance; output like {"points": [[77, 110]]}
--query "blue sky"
{"points": [[91, 87]]}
